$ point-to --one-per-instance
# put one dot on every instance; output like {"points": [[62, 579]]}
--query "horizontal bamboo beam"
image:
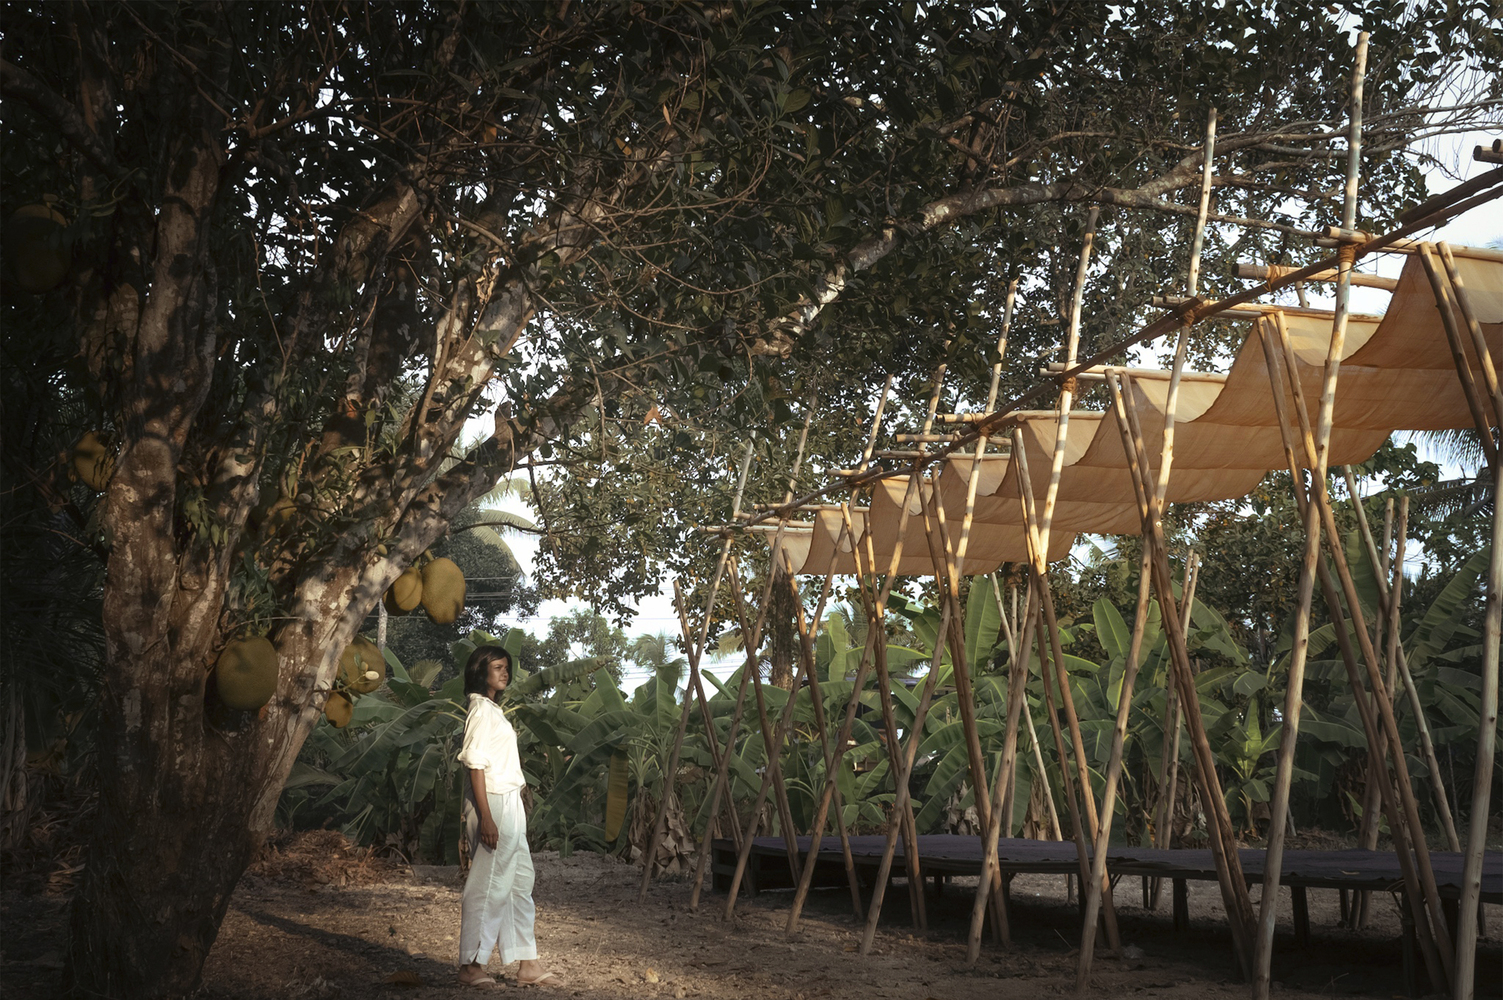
{"points": [[1262, 273], [1098, 373], [1256, 310], [926, 438]]}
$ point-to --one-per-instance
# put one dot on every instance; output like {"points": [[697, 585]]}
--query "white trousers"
{"points": [[497, 909]]}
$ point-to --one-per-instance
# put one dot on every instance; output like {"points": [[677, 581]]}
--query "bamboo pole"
{"points": [[1464, 983], [1458, 352], [1487, 724], [774, 743], [1389, 600], [1084, 833], [1223, 840], [1281, 371], [1474, 329], [816, 700], [694, 651], [704, 709], [902, 812], [991, 817], [942, 556], [831, 773], [1166, 459], [1407, 810], [1163, 825], [722, 775], [842, 741], [1040, 564], [901, 798], [876, 616], [1002, 800]]}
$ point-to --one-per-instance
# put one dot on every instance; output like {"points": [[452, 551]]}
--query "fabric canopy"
{"points": [[1396, 373]]}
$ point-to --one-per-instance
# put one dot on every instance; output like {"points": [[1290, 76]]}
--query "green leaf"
{"points": [[1111, 630]]}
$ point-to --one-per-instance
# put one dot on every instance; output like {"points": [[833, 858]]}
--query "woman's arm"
{"points": [[489, 835]]}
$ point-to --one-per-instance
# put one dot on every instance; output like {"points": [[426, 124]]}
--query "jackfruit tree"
{"points": [[302, 246]]}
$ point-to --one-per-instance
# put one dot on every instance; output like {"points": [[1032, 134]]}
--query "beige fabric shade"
{"points": [[1396, 373]]}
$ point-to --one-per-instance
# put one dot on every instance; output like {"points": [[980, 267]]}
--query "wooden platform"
{"points": [[943, 855]]}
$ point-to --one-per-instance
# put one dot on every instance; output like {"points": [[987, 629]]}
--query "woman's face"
{"points": [[497, 676]]}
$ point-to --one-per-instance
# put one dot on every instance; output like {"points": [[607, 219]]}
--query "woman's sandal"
{"points": [[546, 979], [484, 983]]}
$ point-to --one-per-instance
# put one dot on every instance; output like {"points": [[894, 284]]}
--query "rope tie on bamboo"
{"points": [[1071, 385], [1346, 254]]}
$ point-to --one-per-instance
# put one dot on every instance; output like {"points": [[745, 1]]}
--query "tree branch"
{"points": [[16, 83]]}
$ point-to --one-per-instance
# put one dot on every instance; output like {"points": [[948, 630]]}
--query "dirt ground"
{"points": [[347, 925]]}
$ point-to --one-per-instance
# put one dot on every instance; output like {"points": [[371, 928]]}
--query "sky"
{"points": [[655, 614]]}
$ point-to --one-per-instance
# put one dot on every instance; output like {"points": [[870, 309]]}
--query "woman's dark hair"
{"points": [[477, 669]]}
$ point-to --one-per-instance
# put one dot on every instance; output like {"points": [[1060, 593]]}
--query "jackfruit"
{"points": [[338, 710], [246, 673], [92, 462], [443, 591], [406, 592], [362, 668], [36, 251]]}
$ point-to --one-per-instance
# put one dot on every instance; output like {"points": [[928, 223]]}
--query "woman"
{"points": [[497, 908]]}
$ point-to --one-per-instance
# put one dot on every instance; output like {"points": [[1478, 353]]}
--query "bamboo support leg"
{"points": [[816, 701], [1085, 834], [1097, 883], [774, 742], [1408, 809], [1464, 984], [900, 801], [1017, 699], [649, 860], [902, 812], [828, 792], [1376, 738], [1228, 865], [718, 786], [1390, 597], [941, 554]]}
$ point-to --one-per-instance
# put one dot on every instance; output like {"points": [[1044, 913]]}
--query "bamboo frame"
{"points": [[902, 812], [1223, 841], [1385, 719], [1390, 597], [1280, 373], [816, 701], [694, 651], [1084, 832], [1098, 883], [773, 771], [1464, 981]]}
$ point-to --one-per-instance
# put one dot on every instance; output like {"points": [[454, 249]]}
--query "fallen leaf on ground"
{"points": [[404, 977]]}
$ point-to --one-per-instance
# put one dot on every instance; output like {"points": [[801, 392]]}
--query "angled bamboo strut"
{"points": [[1219, 827], [1280, 365], [695, 650]]}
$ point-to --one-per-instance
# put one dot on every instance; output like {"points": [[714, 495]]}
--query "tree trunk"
{"points": [[781, 631]]}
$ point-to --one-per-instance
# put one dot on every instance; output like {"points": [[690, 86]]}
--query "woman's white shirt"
{"points": [[490, 744]]}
